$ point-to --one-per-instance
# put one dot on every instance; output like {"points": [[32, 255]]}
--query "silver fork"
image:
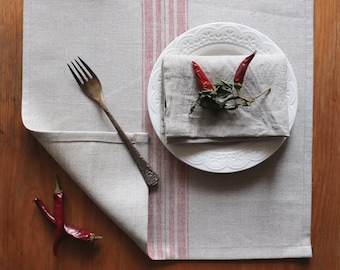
{"points": [[91, 87]]}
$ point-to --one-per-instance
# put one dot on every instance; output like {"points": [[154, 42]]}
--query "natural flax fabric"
{"points": [[263, 212]]}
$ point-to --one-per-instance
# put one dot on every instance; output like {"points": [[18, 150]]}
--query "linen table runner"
{"points": [[262, 212]]}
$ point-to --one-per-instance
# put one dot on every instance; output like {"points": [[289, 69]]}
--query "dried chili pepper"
{"points": [[241, 71], [202, 78], [207, 93], [59, 216], [80, 234]]}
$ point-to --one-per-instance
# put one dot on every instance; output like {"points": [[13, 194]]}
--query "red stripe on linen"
{"points": [[182, 204], [147, 38], [167, 229]]}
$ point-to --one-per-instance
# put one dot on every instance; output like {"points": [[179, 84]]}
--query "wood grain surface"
{"points": [[27, 171]]}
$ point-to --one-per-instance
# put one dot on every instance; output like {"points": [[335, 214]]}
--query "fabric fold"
{"points": [[101, 166]]}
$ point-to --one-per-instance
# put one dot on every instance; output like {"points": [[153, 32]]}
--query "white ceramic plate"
{"points": [[219, 39]]}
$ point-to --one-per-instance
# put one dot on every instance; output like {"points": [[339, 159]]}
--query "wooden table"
{"points": [[26, 170]]}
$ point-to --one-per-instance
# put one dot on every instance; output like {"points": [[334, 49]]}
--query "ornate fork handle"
{"points": [[91, 86], [150, 177]]}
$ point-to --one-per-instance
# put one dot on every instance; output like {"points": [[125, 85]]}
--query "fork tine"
{"points": [[74, 74], [86, 77], [87, 67]]}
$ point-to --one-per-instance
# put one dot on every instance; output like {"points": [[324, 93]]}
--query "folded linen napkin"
{"points": [[266, 117]]}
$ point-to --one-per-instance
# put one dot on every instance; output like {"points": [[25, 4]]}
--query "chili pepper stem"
{"points": [[238, 90], [238, 86], [251, 100], [57, 185], [59, 216], [95, 237], [258, 95], [262, 93]]}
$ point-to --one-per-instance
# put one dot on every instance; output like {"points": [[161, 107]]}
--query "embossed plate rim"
{"points": [[229, 157]]}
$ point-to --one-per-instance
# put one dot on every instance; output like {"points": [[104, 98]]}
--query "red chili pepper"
{"points": [[81, 234], [202, 78], [59, 216], [241, 71]]}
